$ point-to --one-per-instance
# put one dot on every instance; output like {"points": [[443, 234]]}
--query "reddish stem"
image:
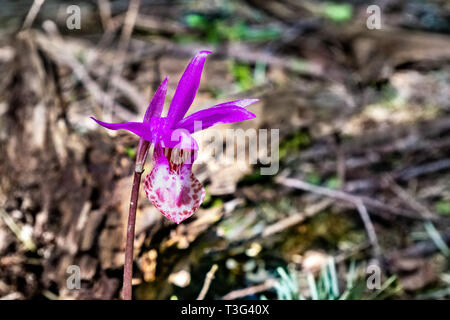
{"points": [[128, 268], [141, 156]]}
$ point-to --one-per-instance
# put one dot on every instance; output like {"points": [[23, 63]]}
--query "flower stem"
{"points": [[128, 267]]}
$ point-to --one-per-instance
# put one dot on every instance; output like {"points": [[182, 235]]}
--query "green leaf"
{"points": [[196, 21], [313, 178], [338, 12], [243, 75], [131, 152], [333, 183], [443, 207], [437, 239]]}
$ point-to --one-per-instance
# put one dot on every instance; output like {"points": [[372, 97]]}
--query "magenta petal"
{"points": [[228, 112], [141, 129], [177, 194], [186, 89], [146, 130], [157, 104]]}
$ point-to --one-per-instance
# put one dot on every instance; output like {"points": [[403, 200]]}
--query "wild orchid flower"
{"points": [[171, 186]]}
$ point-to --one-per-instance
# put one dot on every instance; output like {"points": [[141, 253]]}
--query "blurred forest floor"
{"points": [[364, 120]]}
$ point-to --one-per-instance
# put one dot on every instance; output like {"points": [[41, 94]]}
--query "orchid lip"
{"points": [[172, 187]]}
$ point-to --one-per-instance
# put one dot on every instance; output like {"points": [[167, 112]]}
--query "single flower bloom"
{"points": [[171, 186]]}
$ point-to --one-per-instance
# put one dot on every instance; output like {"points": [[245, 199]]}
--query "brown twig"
{"points": [[368, 225], [127, 30], [421, 249], [341, 167], [409, 199], [109, 26], [104, 8], [293, 219], [58, 51], [57, 48], [404, 174], [236, 51], [424, 169], [32, 13], [124, 86], [356, 201], [240, 293], [209, 277], [283, 224]]}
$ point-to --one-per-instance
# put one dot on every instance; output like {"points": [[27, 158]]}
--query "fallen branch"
{"points": [[241, 293], [209, 277], [409, 199], [356, 201], [293, 219], [424, 248], [32, 13], [283, 224]]}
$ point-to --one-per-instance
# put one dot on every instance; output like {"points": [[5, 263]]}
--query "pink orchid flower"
{"points": [[171, 186]]}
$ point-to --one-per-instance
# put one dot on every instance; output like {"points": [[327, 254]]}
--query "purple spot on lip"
{"points": [[160, 195]]}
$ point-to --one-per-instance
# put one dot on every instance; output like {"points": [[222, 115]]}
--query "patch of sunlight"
{"points": [[390, 113]]}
